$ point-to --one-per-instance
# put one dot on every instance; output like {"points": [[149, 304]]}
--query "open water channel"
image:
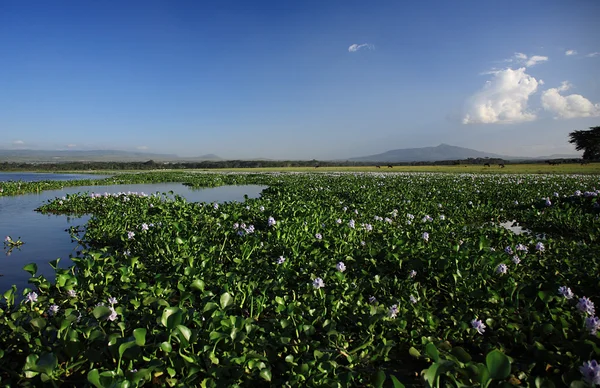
{"points": [[45, 237]]}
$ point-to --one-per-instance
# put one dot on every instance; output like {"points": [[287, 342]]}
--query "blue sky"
{"points": [[298, 80]]}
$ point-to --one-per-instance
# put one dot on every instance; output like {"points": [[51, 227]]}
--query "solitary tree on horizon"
{"points": [[588, 141]]}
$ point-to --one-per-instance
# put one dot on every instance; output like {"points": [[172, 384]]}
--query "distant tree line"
{"points": [[208, 165]]}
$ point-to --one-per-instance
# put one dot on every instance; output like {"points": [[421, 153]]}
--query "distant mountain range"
{"points": [[443, 152], [424, 154], [45, 156]]}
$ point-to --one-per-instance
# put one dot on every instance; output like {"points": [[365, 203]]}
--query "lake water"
{"points": [[45, 237], [40, 176]]}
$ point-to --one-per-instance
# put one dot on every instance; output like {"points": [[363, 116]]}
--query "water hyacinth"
{"points": [[502, 269], [425, 236], [413, 300], [113, 314], [351, 224], [515, 259], [112, 300], [7, 239], [592, 324], [32, 297], [412, 273], [318, 283], [281, 260], [318, 236], [586, 306], [145, 227], [566, 292], [478, 325], [591, 372], [130, 235], [508, 250], [372, 300], [540, 247], [53, 309], [271, 221], [521, 248], [393, 311], [340, 266], [72, 293]]}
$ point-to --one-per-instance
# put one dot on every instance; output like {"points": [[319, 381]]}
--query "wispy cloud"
{"points": [[71, 145], [570, 52], [524, 60], [355, 47], [534, 60], [592, 55], [503, 99], [568, 107], [18, 142], [142, 147]]}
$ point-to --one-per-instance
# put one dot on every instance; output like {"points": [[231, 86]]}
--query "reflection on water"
{"points": [[45, 237], [43, 176]]}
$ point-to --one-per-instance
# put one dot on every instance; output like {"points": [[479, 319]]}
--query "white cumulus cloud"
{"points": [[568, 107], [592, 55], [570, 52], [503, 99], [355, 47]]}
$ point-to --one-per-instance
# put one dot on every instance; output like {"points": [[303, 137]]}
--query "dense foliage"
{"points": [[326, 280], [588, 142]]}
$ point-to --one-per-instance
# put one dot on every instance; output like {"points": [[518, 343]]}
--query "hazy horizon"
{"points": [[301, 80]]}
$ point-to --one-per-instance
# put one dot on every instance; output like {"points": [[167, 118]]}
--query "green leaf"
{"points": [[39, 323], [498, 365], [178, 240], [198, 285], [101, 312], [140, 336], [266, 374], [185, 331], [379, 379], [124, 346], [396, 382], [226, 300], [47, 363], [432, 352], [93, 377], [166, 347], [171, 317], [431, 374], [461, 354], [414, 352], [31, 268], [543, 383]]}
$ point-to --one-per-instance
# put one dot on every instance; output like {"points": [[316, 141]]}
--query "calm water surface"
{"points": [[45, 237], [41, 176]]}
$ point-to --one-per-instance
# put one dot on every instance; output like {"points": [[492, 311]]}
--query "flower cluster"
{"points": [[566, 292], [591, 372], [478, 325], [318, 283], [586, 306]]}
